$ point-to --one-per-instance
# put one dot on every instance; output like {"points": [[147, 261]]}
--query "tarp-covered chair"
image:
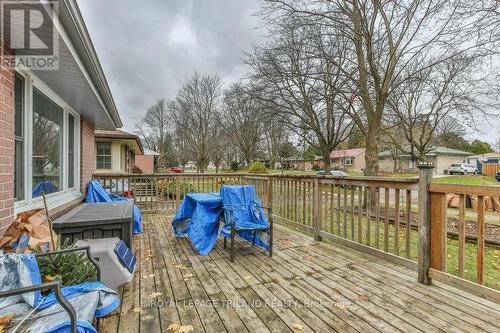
{"points": [[67, 309], [244, 216]]}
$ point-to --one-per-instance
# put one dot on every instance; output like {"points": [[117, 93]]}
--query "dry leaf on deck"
{"points": [[308, 258], [180, 266], [188, 275], [247, 277], [364, 297], [148, 317], [298, 326], [145, 277], [149, 257], [186, 329], [6, 319], [155, 294], [2, 329], [172, 327], [137, 309], [49, 278]]}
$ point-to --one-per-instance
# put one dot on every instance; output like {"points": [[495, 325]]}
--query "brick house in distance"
{"points": [[351, 160], [47, 122]]}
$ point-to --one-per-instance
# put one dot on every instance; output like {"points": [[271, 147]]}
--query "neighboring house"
{"points": [[116, 151], [347, 159], [487, 157], [146, 162], [297, 163], [47, 121], [442, 157]]}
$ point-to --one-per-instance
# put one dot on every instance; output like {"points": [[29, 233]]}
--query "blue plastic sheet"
{"points": [[97, 193], [198, 218], [89, 299], [244, 203], [45, 186]]}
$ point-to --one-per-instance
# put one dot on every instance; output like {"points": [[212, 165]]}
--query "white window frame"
{"points": [[350, 159], [66, 194]]}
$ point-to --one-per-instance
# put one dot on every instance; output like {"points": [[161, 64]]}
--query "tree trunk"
{"points": [[327, 162], [371, 153], [395, 164]]}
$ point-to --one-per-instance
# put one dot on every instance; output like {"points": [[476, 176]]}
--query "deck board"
{"points": [[323, 287]]}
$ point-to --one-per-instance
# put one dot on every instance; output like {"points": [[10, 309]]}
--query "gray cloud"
{"points": [[149, 48]]}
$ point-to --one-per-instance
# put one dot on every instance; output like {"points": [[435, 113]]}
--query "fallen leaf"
{"points": [[145, 277], [148, 317], [186, 329], [308, 258], [6, 319], [364, 297], [155, 294], [172, 327], [49, 278], [149, 257], [188, 275], [180, 266], [247, 277], [137, 309], [2, 329], [298, 326]]}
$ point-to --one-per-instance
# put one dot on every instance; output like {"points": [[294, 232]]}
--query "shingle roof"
{"points": [[438, 150], [347, 152]]}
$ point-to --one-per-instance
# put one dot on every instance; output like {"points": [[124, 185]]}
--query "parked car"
{"points": [[336, 173], [497, 177], [462, 168], [175, 170]]}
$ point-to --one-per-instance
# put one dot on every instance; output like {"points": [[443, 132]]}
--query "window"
{"points": [[71, 150], [103, 157], [19, 138], [47, 145], [46, 150], [348, 161]]}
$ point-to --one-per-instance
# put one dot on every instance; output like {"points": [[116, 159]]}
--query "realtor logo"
{"points": [[29, 38]]}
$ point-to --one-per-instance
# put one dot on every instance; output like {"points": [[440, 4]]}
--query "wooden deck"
{"points": [[304, 287]]}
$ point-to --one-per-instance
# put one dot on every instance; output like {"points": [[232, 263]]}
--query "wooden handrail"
{"points": [[486, 190]]}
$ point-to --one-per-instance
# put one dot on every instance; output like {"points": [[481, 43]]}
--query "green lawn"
{"points": [[467, 180]]}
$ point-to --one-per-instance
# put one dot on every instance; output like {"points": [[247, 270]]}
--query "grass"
{"points": [[467, 180]]}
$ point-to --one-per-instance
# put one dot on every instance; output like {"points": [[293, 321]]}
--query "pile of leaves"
{"points": [[70, 268]]}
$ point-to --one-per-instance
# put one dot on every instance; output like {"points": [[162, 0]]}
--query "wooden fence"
{"points": [[401, 220], [490, 169]]}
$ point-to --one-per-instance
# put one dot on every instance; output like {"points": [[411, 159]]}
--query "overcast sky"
{"points": [[149, 48]]}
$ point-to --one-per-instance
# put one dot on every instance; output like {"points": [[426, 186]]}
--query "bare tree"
{"points": [[155, 130], [424, 100], [242, 120], [306, 91], [386, 37], [196, 107]]}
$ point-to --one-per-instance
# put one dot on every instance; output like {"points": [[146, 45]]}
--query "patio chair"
{"points": [[244, 216], [21, 294]]}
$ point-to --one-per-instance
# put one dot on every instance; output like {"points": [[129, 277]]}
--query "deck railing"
{"points": [[400, 220]]}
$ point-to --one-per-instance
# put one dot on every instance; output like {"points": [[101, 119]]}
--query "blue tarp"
{"points": [[89, 299], [244, 202], [198, 218], [199, 213], [45, 186], [97, 193]]}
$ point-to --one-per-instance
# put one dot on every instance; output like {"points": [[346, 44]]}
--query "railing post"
{"points": [[269, 192], [424, 222], [177, 191], [316, 210]]}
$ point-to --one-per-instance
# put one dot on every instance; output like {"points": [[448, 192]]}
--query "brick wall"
{"points": [[87, 154], [145, 163], [6, 148]]}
